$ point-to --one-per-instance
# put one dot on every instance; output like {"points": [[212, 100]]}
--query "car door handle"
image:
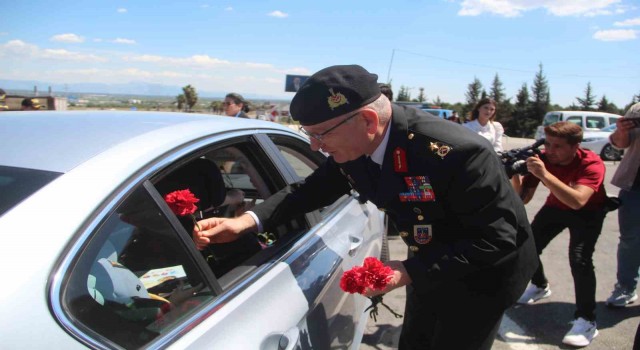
{"points": [[289, 339], [355, 243]]}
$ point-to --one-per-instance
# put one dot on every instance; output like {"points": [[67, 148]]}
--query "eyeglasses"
{"points": [[319, 136]]}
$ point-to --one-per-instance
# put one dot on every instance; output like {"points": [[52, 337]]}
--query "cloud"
{"points": [[615, 35], [18, 49], [278, 14], [515, 8], [204, 6], [229, 8], [67, 38], [122, 10], [123, 41], [628, 22]]}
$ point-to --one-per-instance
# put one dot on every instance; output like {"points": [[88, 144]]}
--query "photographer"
{"points": [[574, 177]]}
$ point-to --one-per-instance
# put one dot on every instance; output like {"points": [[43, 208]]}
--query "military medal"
{"points": [[440, 149], [422, 234], [420, 190]]}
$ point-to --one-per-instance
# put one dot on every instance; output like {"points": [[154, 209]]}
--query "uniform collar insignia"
{"points": [[440, 149]]}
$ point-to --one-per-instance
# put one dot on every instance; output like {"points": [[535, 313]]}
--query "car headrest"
{"points": [[202, 177]]}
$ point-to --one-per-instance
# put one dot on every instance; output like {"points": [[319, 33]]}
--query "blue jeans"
{"points": [[629, 246]]}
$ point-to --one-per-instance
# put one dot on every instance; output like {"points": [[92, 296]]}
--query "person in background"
{"points": [[575, 179], [386, 90], [235, 105], [482, 122], [454, 117], [30, 104], [446, 191], [627, 178]]}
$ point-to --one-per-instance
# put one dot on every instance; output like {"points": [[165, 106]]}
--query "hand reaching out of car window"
{"points": [[222, 230]]}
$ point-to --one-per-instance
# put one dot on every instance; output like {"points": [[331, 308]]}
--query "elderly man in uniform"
{"points": [[443, 186]]}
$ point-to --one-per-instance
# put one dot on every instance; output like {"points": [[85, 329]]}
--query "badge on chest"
{"points": [[420, 190], [422, 234]]}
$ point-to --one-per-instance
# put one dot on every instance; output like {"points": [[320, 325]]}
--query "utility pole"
{"points": [[390, 64]]}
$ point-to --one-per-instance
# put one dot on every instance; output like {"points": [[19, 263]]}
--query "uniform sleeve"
{"points": [[323, 187], [488, 216]]}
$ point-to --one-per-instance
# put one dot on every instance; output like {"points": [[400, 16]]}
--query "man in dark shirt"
{"points": [[442, 185]]}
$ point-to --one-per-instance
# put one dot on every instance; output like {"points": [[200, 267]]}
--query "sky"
{"points": [[250, 46]]}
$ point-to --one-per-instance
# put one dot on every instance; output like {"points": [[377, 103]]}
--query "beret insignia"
{"points": [[336, 100]]}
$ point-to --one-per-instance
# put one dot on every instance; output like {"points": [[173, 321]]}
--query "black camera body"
{"points": [[514, 160]]}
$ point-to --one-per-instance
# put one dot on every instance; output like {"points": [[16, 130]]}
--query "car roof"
{"points": [[61, 140], [586, 112]]}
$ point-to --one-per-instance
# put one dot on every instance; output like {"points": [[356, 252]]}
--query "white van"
{"points": [[587, 120]]}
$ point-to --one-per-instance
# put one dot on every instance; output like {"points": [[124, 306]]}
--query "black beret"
{"points": [[332, 92]]}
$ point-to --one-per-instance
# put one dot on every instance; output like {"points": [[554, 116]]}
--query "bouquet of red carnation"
{"points": [[372, 274], [183, 203]]}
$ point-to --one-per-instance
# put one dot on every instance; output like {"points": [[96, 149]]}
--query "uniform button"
{"points": [[420, 217], [413, 248], [404, 234], [410, 136], [417, 210]]}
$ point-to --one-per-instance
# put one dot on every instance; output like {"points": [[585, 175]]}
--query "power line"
{"points": [[502, 68]]}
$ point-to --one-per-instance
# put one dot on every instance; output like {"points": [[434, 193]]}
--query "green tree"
{"points": [[474, 91], [586, 103], [635, 99], [606, 106], [181, 100], [521, 124], [191, 96], [540, 98], [403, 94], [497, 90], [439, 102], [421, 95]]}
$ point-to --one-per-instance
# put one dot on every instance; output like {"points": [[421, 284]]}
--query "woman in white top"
{"points": [[482, 122]]}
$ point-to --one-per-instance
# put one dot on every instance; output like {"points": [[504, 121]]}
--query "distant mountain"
{"points": [[131, 88]]}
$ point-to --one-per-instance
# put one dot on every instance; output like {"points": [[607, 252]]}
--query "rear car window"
{"points": [[16, 184]]}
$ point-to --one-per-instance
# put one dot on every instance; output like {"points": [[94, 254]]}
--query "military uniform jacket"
{"points": [[447, 192]]}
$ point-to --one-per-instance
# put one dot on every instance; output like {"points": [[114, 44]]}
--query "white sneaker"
{"points": [[582, 333], [620, 297], [534, 293]]}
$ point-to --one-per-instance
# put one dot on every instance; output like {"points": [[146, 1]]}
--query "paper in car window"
{"points": [[158, 276]]}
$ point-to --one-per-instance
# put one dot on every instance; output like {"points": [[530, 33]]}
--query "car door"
{"points": [[351, 230], [138, 280]]}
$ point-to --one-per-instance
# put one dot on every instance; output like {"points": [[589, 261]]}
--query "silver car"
{"points": [[93, 256], [598, 142]]}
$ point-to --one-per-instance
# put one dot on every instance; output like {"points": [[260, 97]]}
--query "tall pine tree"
{"points": [[586, 103], [540, 100]]}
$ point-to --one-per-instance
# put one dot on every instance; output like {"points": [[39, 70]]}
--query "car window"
{"points": [[595, 122], [551, 118], [16, 184], [576, 120], [135, 279], [613, 120]]}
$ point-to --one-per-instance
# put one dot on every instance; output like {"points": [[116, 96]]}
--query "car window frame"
{"points": [[142, 177]]}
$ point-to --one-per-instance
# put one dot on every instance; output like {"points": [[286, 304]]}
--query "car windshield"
{"points": [[610, 128], [16, 184]]}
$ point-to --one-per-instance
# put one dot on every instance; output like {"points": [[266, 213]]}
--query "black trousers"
{"points": [[450, 318], [584, 230]]}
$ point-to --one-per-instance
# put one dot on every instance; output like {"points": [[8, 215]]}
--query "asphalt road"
{"points": [[542, 325]]}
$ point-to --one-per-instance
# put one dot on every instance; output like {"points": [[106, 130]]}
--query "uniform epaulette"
{"points": [[435, 146]]}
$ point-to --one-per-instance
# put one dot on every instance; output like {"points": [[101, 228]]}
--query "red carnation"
{"points": [[351, 281], [182, 202], [372, 274]]}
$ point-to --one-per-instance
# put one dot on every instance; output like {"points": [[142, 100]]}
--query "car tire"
{"points": [[610, 153]]}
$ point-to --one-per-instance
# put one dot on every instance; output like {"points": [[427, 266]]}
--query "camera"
{"points": [[514, 160]]}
